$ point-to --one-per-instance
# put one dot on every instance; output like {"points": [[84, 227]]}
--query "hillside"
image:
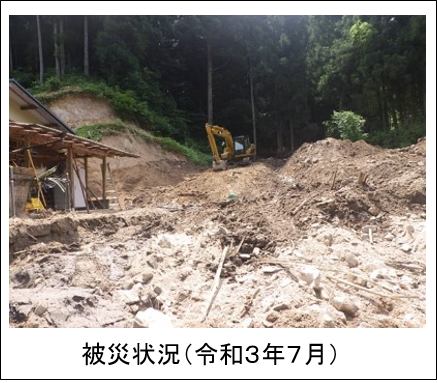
{"points": [[162, 161]]}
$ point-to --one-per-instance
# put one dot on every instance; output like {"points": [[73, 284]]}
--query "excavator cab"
{"points": [[242, 144]]}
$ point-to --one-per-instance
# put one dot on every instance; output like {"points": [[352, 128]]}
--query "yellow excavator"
{"points": [[235, 149]]}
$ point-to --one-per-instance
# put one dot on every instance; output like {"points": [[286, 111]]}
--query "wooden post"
{"points": [[26, 158], [104, 178], [85, 165], [71, 175]]}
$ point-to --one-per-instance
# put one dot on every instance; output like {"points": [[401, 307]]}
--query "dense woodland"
{"points": [[276, 78]]}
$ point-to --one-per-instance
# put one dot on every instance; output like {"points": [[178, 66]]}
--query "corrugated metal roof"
{"points": [[37, 134]]}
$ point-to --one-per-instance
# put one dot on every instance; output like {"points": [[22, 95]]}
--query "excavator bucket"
{"points": [[221, 165]]}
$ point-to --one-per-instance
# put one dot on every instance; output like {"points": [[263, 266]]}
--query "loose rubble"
{"points": [[310, 245]]}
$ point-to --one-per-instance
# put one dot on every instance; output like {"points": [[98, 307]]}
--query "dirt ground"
{"points": [[335, 236]]}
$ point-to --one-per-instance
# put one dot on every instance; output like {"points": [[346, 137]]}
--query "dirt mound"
{"points": [[355, 181]]}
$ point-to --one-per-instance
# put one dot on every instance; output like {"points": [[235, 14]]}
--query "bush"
{"points": [[346, 125]]}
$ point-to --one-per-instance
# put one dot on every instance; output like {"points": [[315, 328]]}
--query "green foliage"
{"points": [[164, 119], [53, 83], [97, 131], [152, 69], [400, 137], [346, 125]]}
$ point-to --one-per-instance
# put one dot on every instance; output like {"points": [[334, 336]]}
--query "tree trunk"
{"points": [[86, 64], [210, 95], [278, 137], [252, 100], [291, 135], [41, 60], [424, 98], [56, 43], [62, 45], [11, 66]]}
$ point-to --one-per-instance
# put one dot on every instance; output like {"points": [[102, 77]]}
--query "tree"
{"points": [[86, 63], [41, 59]]}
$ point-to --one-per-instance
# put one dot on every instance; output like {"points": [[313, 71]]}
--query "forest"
{"points": [[283, 80]]}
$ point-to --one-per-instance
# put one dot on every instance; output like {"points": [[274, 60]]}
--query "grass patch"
{"points": [[97, 131]]}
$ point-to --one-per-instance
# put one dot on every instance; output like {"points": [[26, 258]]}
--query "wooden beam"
{"points": [[85, 165], [27, 107], [104, 178], [70, 175]]}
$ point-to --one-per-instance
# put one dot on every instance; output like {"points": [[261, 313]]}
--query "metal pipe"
{"points": [[11, 177]]}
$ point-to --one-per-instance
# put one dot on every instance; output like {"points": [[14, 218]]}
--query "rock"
{"points": [[373, 266], [181, 296], [40, 309], [127, 285], [152, 262], [157, 290], [223, 231], [357, 280], [373, 210], [410, 230], [364, 325], [151, 318], [327, 321], [345, 305], [327, 239], [144, 278], [256, 251], [164, 242], [272, 317], [282, 306], [406, 248], [159, 258], [244, 256], [311, 275], [248, 323], [389, 237], [351, 260], [267, 324], [127, 296], [247, 248], [406, 282]]}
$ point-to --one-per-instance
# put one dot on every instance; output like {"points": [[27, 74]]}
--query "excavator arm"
{"points": [[217, 131]]}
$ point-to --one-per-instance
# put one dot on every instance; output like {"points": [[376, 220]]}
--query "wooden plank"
{"points": [[216, 284]]}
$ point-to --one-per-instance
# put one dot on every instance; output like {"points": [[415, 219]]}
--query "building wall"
{"points": [[16, 114]]}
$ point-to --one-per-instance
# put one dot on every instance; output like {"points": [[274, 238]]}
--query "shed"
{"points": [[41, 142]]}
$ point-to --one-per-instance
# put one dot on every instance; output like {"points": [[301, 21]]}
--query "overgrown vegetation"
{"points": [[287, 74], [99, 130], [346, 125]]}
